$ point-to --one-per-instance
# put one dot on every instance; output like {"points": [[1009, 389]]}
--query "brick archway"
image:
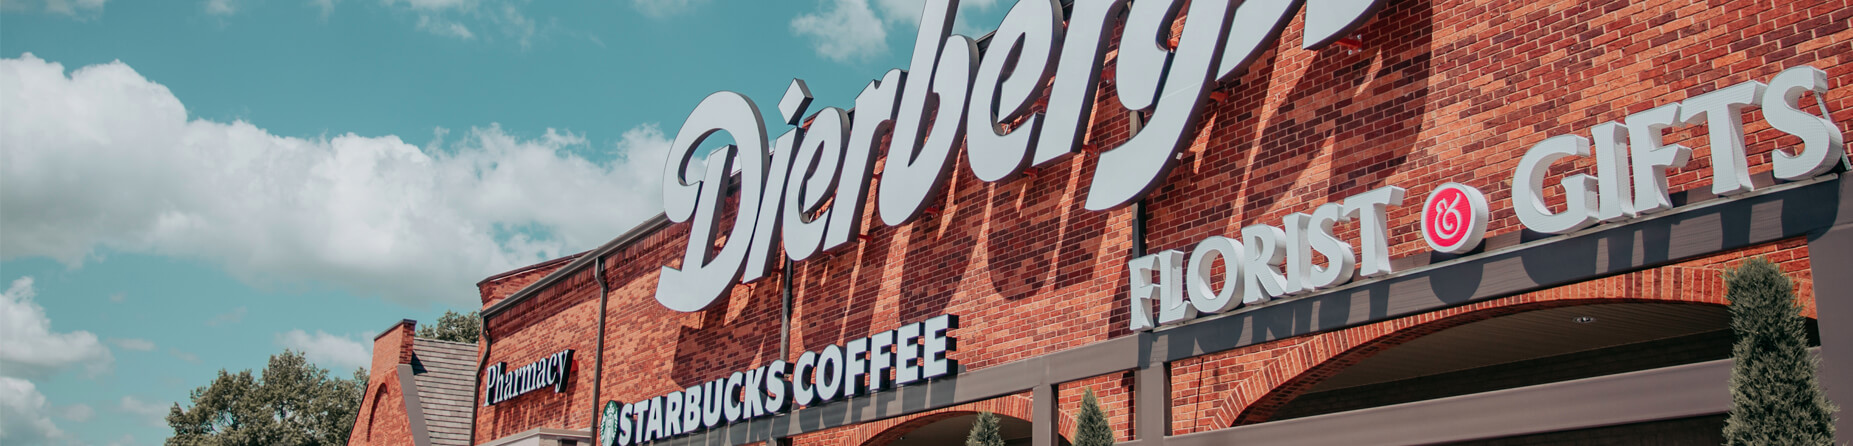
{"points": [[1265, 377], [885, 431]]}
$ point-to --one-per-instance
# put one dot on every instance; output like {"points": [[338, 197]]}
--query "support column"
{"points": [[1151, 405], [1043, 427], [1830, 256]]}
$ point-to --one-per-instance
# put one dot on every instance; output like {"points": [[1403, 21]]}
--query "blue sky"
{"points": [[194, 185]]}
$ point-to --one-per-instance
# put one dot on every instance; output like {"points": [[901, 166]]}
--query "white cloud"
{"points": [[326, 6], [847, 30], [229, 317], [74, 8], [183, 355], [31, 349], [469, 19], [665, 8], [221, 7], [77, 412], [444, 27], [22, 414], [329, 351], [152, 414], [106, 159], [856, 29], [140, 345], [435, 5]]}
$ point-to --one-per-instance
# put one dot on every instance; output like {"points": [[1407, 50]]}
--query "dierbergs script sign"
{"points": [[786, 185]]}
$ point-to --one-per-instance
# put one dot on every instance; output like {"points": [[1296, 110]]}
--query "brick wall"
{"points": [[500, 286], [1607, 361], [1442, 90], [558, 318], [382, 419], [1249, 384]]}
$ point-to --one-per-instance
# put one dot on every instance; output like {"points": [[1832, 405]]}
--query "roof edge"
{"points": [[584, 260], [512, 272], [394, 326]]}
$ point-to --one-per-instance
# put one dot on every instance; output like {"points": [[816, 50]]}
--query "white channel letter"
{"points": [[1143, 290], [803, 392], [875, 111], [1341, 262], [1261, 260], [1127, 172], [1025, 43], [1077, 78], [1154, 281], [1822, 145], [622, 422], [778, 399], [856, 359], [829, 373], [1299, 253], [915, 172], [812, 182], [1722, 111], [706, 275], [1613, 188], [1171, 305], [937, 343], [672, 414], [1209, 299], [731, 404], [881, 360], [1652, 157], [752, 394], [907, 354], [1253, 31], [1257, 25], [691, 408], [715, 393], [763, 253], [1144, 53], [1327, 21], [723, 111], [653, 426], [1579, 190], [1371, 211]]}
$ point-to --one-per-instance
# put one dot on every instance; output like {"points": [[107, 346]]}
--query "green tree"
{"points": [[985, 432], [1775, 398], [454, 327], [292, 402], [1091, 427]]}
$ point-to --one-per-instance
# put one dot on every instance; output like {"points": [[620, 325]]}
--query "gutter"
{"points": [[476, 387], [641, 230]]}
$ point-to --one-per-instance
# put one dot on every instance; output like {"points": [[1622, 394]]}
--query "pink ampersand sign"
{"points": [[1454, 218]]}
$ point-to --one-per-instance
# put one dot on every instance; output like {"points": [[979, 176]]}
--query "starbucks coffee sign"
{"points": [[912, 354]]}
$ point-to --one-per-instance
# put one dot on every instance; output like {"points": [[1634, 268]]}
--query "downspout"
{"points": [[784, 329], [785, 313], [476, 391], [598, 362], [1136, 121]]}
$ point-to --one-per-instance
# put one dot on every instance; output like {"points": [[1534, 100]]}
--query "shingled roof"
{"points": [[442, 371]]}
